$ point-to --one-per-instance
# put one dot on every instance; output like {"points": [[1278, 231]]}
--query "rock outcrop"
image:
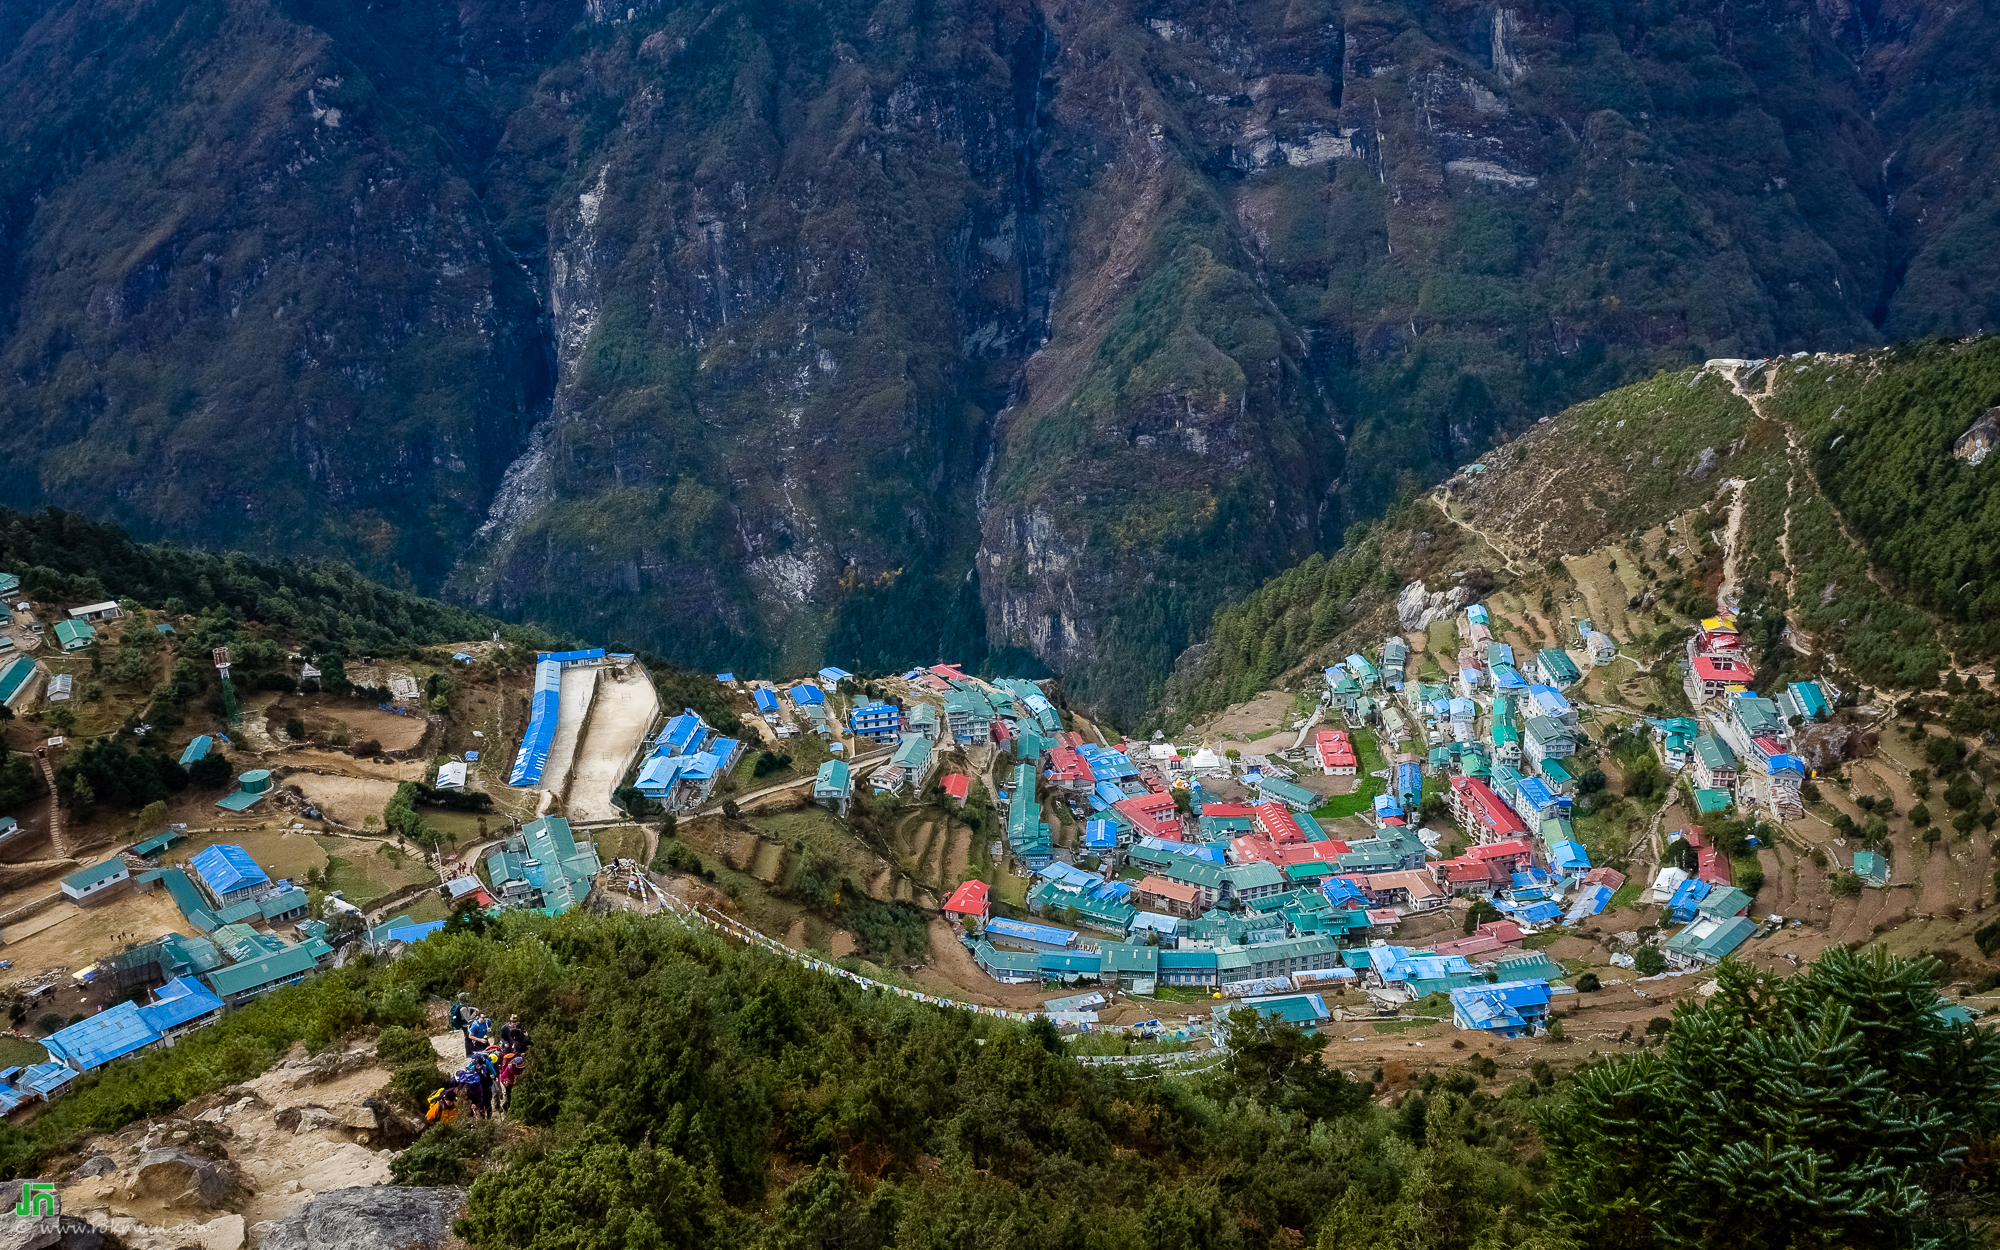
{"points": [[384, 1217], [1416, 608], [181, 1178]]}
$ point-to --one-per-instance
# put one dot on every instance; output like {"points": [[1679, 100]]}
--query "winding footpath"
{"points": [[728, 926]]}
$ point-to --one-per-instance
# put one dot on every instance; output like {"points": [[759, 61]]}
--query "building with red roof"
{"points": [[1336, 753], [1225, 811], [958, 786], [1506, 931], [1512, 854], [1482, 813], [1276, 822], [1713, 675], [1153, 815], [1172, 897], [974, 898], [1070, 770], [1466, 875]]}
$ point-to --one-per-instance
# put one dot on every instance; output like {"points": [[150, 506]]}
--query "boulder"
{"points": [[306, 1118], [96, 1165], [384, 1217], [180, 1178]]}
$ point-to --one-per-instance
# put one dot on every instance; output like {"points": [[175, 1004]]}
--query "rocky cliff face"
{"points": [[767, 332]]}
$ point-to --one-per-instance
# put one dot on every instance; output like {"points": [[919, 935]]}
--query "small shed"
{"points": [[97, 880]]}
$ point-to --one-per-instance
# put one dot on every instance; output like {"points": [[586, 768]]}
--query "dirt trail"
{"points": [[1444, 506], [1725, 594]]}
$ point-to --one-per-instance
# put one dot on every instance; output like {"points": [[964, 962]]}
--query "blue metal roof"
{"points": [[415, 932], [571, 657], [1100, 833], [805, 693], [767, 699], [196, 750], [117, 1030], [1021, 930], [227, 867], [683, 735], [544, 708], [834, 674], [1568, 855], [179, 1001], [47, 1078]]}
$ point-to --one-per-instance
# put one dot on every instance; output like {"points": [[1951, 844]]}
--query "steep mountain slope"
{"points": [[884, 333], [1841, 502]]}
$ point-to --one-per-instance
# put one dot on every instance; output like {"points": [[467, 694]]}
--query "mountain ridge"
{"points": [[886, 335]]}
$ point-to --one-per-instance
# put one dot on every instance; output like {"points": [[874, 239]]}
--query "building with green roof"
{"points": [[240, 983], [96, 881], [74, 635]]}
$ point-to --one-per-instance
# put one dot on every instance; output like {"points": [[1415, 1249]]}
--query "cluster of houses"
{"points": [[1739, 736], [685, 761], [236, 908], [1230, 895]]}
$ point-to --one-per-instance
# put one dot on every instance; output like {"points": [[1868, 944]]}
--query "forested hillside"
{"points": [[63, 556], [767, 333], [687, 1093], [1880, 429]]}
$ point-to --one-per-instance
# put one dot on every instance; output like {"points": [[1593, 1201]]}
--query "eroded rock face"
{"points": [[383, 1217], [1416, 608]]}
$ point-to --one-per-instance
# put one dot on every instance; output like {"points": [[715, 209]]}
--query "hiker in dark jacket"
{"points": [[513, 1038]]}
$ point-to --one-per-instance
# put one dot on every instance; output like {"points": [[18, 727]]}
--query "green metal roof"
{"points": [[1710, 800], [1131, 957], [1714, 752], [242, 978], [74, 634], [84, 878]]}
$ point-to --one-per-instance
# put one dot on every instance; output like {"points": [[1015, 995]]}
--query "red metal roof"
{"points": [[1275, 821], [1506, 930], [1499, 850], [1160, 887], [1723, 669], [1222, 810], [968, 899], [958, 786], [1494, 818]]}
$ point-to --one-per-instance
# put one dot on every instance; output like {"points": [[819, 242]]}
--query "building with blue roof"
{"points": [[1539, 913], [1410, 785], [47, 1080], [228, 875], [1569, 857], [544, 706], [1100, 835], [806, 694], [1546, 701], [658, 775], [180, 1006], [767, 702], [197, 750], [1506, 1009], [686, 733], [834, 675], [1681, 904], [113, 1033], [1032, 936], [880, 722], [415, 932]]}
